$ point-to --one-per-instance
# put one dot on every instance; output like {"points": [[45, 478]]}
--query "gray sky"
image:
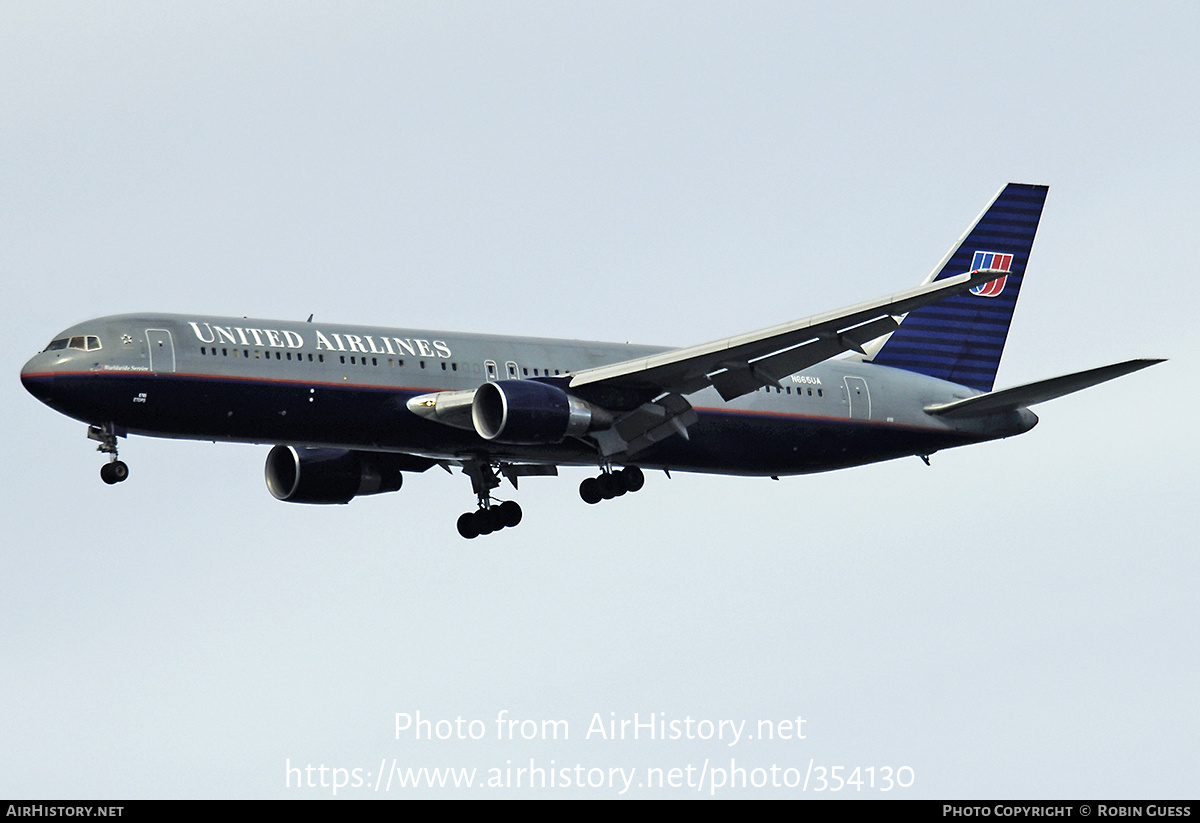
{"points": [[1017, 621]]}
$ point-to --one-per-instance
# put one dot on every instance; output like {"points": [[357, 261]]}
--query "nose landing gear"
{"points": [[114, 471]]}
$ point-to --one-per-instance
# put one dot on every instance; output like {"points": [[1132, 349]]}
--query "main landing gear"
{"points": [[490, 516], [612, 484], [114, 471]]}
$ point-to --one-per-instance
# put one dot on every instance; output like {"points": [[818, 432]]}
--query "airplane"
{"points": [[349, 409]]}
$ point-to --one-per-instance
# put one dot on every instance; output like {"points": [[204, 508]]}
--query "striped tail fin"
{"points": [[961, 338]]}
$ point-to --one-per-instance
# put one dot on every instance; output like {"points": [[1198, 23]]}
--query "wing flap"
{"points": [[742, 378], [646, 425]]}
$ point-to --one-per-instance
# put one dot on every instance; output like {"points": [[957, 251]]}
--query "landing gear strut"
{"points": [[612, 484], [491, 516], [114, 471]]}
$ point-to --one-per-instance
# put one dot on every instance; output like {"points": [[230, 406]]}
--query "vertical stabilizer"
{"points": [[961, 338]]}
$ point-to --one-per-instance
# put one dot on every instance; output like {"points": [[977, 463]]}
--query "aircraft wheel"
{"points": [[114, 472], [589, 490], [487, 521], [510, 513], [633, 478], [610, 486], [466, 525]]}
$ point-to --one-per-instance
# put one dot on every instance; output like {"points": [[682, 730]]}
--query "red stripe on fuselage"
{"points": [[219, 378]]}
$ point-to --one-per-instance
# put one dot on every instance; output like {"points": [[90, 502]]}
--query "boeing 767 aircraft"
{"points": [[350, 408]]}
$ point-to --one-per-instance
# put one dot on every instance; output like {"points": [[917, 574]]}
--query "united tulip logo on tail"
{"points": [[991, 260]]}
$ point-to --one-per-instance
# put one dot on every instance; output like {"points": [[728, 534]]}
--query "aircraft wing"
{"points": [[742, 364]]}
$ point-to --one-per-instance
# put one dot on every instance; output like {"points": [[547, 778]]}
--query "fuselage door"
{"points": [[859, 397], [161, 350], [489, 366], [512, 371]]}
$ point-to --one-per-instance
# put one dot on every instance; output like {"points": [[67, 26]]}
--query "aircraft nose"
{"points": [[34, 378]]}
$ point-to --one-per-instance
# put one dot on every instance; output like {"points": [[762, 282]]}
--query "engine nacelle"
{"points": [[531, 413], [328, 475]]}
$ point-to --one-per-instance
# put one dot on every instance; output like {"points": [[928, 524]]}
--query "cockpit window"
{"points": [[88, 342]]}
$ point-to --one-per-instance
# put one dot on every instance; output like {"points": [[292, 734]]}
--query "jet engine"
{"points": [[328, 475], [528, 412]]}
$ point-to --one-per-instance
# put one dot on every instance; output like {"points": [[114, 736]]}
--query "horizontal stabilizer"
{"points": [[1021, 396]]}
